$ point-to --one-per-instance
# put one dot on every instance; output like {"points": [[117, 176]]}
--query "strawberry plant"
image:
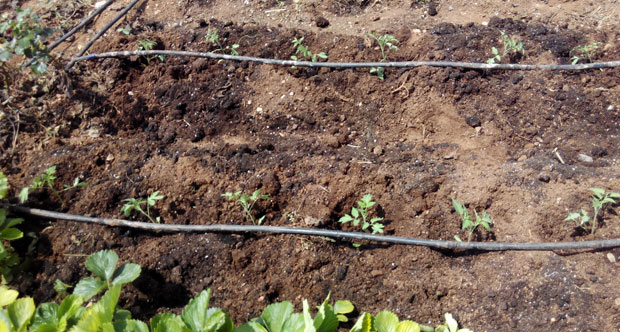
{"points": [[600, 198], [247, 203], [103, 265], [8, 232], [468, 224], [279, 317], [359, 216], [136, 204]]}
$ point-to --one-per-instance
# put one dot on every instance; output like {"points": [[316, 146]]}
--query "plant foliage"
{"points": [[600, 198], [24, 36], [247, 203], [359, 216], [468, 224], [9, 260], [136, 204]]}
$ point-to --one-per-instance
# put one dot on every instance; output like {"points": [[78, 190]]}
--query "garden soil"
{"points": [[524, 146]]}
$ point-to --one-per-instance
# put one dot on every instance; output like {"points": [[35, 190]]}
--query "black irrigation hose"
{"points": [[487, 246], [108, 26], [74, 30], [405, 64]]}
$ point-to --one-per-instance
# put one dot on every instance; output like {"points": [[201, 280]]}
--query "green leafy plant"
{"points": [[581, 52], [136, 204], [15, 313], [279, 317], [386, 44], [387, 321], [359, 216], [511, 46], [468, 224], [9, 260], [196, 317], [213, 37], [126, 31], [103, 265], [247, 203], [451, 325], [23, 36], [147, 45], [303, 53], [599, 199], [46, 181]]}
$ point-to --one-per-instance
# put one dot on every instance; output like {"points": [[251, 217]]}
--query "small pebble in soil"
{"points": [[584, 158], [611, 257], [473, 121]]}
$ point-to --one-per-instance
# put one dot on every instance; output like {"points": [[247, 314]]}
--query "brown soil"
{"points": [[317, 140]]}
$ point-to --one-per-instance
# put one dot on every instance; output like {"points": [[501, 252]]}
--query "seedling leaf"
{"points": [[364, 323], [88, 287], [126, 274], [276, 314], [252, 327], [194, 314], [102, 264], [4, 185], [386, 321], [167, 322], [408, 326], [7, 296], [20, 312]]}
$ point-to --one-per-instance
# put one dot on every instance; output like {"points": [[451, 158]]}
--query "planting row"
{"points": [[76, 314]]}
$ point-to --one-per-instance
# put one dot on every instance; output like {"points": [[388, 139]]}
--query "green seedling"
{"points": [[599, 199], [387, 321], [511, 46], [386, 44], [359, 216], [302, 53], [582, 52], [46, 181], [136, 204], [280, 317], [147, 45], [126, 31], [468, 224], [195, 317], [9, 260], [61, 288], [213, 37], [103, 265], [247, 203], [451, 325], [23, 36]]}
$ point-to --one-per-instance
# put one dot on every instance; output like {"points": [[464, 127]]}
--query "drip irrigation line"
{"points": [[74, 30], [108, 26], [356, 236], [405, 64]]}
